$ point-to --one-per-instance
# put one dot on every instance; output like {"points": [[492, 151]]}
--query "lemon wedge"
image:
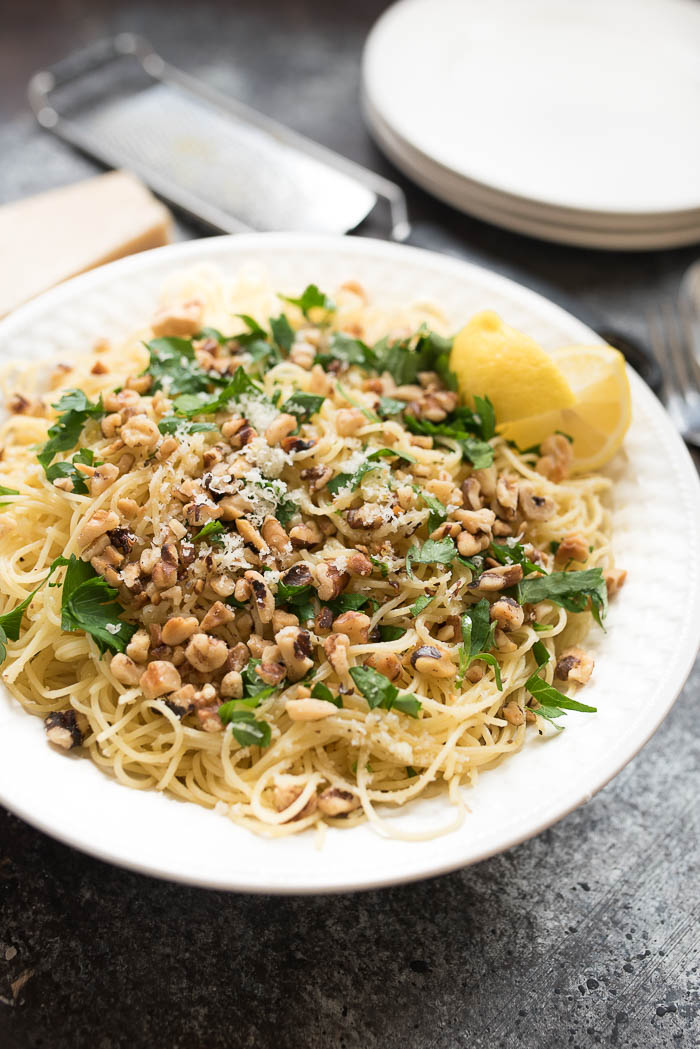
{"points": [[489, 357], [600, 417]]}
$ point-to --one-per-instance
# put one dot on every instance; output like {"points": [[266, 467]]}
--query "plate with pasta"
{"points": [[326, 563]]}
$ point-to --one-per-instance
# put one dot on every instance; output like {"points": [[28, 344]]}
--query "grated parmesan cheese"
{"points": [[270, 461]]}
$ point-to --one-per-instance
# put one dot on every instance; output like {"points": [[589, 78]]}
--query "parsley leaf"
{"points": [[211, 530], [389, 406], [7, 491], [391, 633], [432, 552], [484, 417], [379, 692], [553, 703], [347, 603], [282, 332], [74, 410], [571, 590], [254, 688], [353, 481], [344, 347], [204, 404], [70, 470], [422, 602], [513, 554], [321, 691], [478, 452], [383, 568], [311, 298], [438, 512], [285, 511], [246, 728], [88, 604], [423, 351], [171, 423], [477, 639], [173, 367], [303, 405]]}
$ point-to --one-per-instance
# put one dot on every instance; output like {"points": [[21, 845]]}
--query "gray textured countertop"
{"points": [[587, 935]]}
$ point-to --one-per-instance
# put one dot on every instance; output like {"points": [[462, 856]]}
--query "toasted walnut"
{"points": [[354, 625], [503, 642], [442, 490], [200, 511], [140, 432], [309, 709], [287, 790], [369, 515], [159, 678], [336, 802], [573, 547], [297, 575], [405, 496], [97, 525], [535, 507], [336, 648], [138, 647], [275, 536], [125, 670], [513, 713], [167, 447], [476, 521], [556, 458], [433, 662], [498, 578], [218, 615], [317, 477], [128, 507], [256, 645], [507, 495], [209, 720], [323, 621], [271, 671], [250, 534], [102, 478], [179, 629], [303, 355], [231, 686], [179, 319], [469, 545], [307, 534], [281, 619], [507, 613], [206, 653], [359, 564], [386, 663], [222, 584], [296, 651], [66, 728], [330, 581], [574, 665], [262, 595], [614, 580], [164, 575], [471, 497], [280, 427], [348, 421]]}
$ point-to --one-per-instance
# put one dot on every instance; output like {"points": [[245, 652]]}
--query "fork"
{"points": [[672, 328]]}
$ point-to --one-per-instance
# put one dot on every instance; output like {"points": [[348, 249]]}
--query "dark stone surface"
{"points": [[584, 936]]}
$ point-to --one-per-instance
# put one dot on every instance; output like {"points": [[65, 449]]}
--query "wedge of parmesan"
{"points": [[56, 235]]}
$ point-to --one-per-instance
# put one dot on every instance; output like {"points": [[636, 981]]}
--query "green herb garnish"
{"points": [[88, 604], [571, 590], [477, 639], [379, 692], [432, 552], [303, 405], [172, 424], [247, 730], [74, 411], [310, 299]]}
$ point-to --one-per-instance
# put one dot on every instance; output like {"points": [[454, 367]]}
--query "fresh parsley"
{"points": [[88, 604], [389, 406], [310, 299], [391, 633], [379, 692], [303, 405], [345, 348], [206, 404], [172, 424], [432, 552], [571, 590], [7, 491], [477, 639], [74, 408], [438, 512], [174, 367], [513, 554], [212, 530], [246, 728], [321, 691], [282, 332], [552, 703], [70, 470], [354, 480], [422, 602], [423, 351]]}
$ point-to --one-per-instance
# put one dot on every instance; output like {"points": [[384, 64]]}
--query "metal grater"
{"points": [[209, 155]]}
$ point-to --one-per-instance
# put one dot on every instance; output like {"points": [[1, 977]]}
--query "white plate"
{"points": [[587, 107], [511, 214], [642, 662]]}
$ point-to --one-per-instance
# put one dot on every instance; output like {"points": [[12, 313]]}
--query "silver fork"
{"points": [[672, 329]]}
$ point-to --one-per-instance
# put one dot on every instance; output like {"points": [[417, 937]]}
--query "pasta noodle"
{"points": [[351, 761]]}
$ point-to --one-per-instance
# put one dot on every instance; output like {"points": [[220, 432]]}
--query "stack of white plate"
{"points": [[572, 120]]}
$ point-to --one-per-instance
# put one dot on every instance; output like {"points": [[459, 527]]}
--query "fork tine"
{"points": [[655, 324], [674, 342], [686, 321]]}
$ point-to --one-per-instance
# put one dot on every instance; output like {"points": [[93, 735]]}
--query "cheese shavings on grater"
{"points": [[213, 157]]}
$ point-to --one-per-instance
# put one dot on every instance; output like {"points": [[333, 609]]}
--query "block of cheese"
{"points": [[56, 235]]}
